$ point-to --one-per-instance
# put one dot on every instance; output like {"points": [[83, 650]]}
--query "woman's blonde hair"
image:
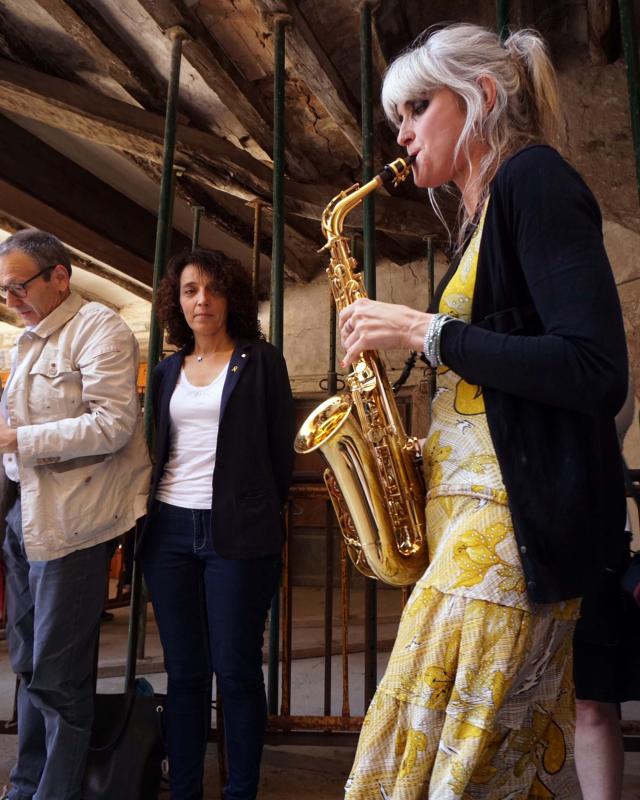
{"points": [[526, 109]]}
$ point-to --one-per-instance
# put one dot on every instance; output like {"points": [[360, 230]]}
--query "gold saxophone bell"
{"points": [[374, 476]]}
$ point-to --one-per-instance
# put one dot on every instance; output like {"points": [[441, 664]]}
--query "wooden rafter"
{"points": [[88, 30], [310, 62], [207, 158], [221, 75], [11, 225], [301, 262], [103, 120], [32, 211], [41, 187], [117, 278]]}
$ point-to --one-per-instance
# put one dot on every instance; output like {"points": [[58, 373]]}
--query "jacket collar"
{"points": [[59, 317]]}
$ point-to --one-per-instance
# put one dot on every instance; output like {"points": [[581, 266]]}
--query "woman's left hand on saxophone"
{"points": [[373, 325]]}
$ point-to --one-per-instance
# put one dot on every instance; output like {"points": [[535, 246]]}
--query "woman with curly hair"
{"points": [[224, 423]]}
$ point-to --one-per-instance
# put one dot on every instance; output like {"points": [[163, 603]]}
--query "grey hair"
{"points": [[44, 248], [526, 109]]}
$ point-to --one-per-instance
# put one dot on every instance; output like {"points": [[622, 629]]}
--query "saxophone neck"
{"points": [[342, 204]]}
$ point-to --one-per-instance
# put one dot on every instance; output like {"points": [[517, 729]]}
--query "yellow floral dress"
{"points": [[477, 699]]}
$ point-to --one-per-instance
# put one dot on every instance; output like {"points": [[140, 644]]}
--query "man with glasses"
{"points": [[76, 476]]}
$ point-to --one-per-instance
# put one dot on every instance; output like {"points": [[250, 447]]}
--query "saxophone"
{"points": [[374, 477]]}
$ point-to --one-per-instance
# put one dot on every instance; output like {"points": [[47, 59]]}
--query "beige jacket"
{"points": [[82, 459]]}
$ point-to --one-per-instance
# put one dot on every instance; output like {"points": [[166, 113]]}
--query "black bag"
{"points": [[127, 748]]}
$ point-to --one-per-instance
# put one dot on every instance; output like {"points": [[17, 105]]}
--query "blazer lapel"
{"points": [[169, 382], [238, 362]]}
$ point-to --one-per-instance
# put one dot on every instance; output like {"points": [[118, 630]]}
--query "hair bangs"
{"points": [[409, 78]]}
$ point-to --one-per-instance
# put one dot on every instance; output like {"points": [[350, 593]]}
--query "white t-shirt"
{"points": [[194, 412]]}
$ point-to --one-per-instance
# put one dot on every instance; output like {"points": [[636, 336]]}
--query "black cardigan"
{"points": [[254, 454], [553, 384]]}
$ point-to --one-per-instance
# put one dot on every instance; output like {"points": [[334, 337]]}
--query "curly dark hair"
{"points": [[229, 279]]}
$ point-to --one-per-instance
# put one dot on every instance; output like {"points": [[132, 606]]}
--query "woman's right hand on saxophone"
{"points": [[373, 325]]}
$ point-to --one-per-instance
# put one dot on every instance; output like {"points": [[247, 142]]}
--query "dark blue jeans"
{"points": [[211, 614], [53, 616]]}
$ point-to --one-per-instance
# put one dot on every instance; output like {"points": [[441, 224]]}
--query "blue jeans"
{"points": [[53, 617], [211, 614]]}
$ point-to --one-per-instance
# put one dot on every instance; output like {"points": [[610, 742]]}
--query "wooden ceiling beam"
{"points": [[110, 122], [221, 75], [34, 212], [89, 31], [301, 262], [208, 158], [10, 224], [299, 266], [113, 276], [309, 61], [41, 187], [217, 71]]}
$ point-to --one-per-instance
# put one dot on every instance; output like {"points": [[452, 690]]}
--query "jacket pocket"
{"points": [[56, 387], [89, 494], [258, 511]]}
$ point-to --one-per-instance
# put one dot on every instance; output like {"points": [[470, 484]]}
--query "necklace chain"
{"points": [[201, 356]]}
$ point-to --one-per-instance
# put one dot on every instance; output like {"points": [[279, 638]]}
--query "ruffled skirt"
{"points": [[477, 702]]}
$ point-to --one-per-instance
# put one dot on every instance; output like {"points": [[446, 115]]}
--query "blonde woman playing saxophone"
{"points": [[522, 463]]}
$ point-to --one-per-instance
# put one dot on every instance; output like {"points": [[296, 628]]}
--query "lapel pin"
{"points": [[234, 369], [244, 355]]}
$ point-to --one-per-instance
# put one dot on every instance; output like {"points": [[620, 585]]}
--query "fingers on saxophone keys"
{"points": [[347, 360], [346, 327]]}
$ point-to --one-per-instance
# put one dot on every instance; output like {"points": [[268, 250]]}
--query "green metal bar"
{"points": [[630, 49], [277, 248], [257, 236], [197, 212], [366, 100], [277, 293], [176, 172], [164, 225], [502, 18], [137, 613], [369, 262]]}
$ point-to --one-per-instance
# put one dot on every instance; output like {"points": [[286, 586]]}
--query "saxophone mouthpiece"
{"points": [[398, 170]]}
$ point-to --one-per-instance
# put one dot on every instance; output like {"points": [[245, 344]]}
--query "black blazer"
{"points": [[553, 380], [254, 455]]}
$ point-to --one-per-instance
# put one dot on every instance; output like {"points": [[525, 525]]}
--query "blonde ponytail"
{"points": [[539, 85]]}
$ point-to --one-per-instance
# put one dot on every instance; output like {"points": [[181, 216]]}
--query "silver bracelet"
{"points": [[431, 348]]}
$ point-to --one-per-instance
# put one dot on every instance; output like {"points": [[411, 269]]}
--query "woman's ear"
{"points": [[488, 86]]}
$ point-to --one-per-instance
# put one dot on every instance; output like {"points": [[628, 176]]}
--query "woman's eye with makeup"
{"points": [[419, 107]]}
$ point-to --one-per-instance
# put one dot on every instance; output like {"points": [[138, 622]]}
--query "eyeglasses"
{"points": [[19, 290]]}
